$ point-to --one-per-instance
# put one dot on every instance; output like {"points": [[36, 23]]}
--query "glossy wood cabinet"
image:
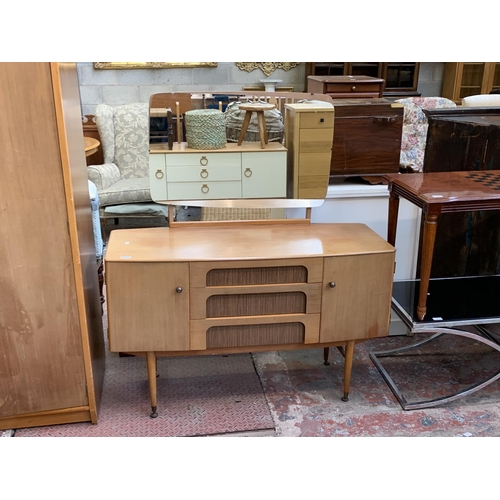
{"points": [[462, 79], [367, 138], [467, 244], [51, 334], [245, 288]]}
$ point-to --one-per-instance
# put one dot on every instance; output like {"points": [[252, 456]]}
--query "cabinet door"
{"points": [[157, 177], [263, 175], [358, 304], [146, 312]]}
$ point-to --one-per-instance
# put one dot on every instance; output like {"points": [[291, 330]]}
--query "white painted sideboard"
{"points": [[234, 172]]}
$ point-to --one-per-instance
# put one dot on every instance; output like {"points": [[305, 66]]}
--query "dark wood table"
{"points": [[437, 193]]}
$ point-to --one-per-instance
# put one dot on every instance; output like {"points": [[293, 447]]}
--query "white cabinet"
{"points": [[245, 171]]}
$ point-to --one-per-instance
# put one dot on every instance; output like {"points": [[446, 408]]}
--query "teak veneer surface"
{"points": [[236, 243]]}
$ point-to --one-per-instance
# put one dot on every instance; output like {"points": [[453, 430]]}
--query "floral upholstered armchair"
{"points": [[415, 126], [123, 181]]}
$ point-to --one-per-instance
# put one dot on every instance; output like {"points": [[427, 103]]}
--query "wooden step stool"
{"points": [[259, 108]]}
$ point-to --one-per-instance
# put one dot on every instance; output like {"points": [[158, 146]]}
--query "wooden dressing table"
{"points": [[227, 287]]}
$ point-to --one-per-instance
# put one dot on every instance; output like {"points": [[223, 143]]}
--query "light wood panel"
{"points": [[50, 319], [145, 310], [358, 306]]}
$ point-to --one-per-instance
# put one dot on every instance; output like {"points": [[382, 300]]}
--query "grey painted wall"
{"points": [[115, 87]]}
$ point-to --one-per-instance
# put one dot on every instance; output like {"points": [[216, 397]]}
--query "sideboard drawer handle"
{"points": [[204, 173], [204, 161], [248, 172], [179, 289], [331, 284], [159, 174], [353, 87], [205, 189]]}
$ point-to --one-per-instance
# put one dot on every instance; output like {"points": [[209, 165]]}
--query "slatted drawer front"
{"points": [[253, 335], [268, 272], [204, 159], [204, 190], [256, 304], [194, 173], [257, 276]]}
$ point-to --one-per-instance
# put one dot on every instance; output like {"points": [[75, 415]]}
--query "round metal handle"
{"points": [[178, 289], [159, 174], [248, 172], [331, 284], [204, 173], [204, 161], [353, 87], [205, 189]]}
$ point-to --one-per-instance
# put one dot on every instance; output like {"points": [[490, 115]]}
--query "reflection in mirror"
{"points": [[240, 146]]}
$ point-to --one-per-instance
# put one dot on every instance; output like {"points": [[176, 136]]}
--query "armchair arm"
{"points": [[103, 176]]}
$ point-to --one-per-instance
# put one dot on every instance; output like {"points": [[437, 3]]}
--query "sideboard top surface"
{"points": [[253, 242], [230, 147]]}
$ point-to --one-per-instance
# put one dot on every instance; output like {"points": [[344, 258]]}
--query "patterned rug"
{"points": [[197, 396]]}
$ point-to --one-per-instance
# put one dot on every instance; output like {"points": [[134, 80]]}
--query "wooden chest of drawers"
{"points": [[341, 87], [245, 171], [308, 137]]}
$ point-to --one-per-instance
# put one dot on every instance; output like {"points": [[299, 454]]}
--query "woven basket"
{"points": [[205, 129]]}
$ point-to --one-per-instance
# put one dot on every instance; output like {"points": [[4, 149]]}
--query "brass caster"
{"points": [[326, 363], [345, 398], [154, 413]]}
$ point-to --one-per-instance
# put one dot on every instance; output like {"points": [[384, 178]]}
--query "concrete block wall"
{"points": [[116, 87]]}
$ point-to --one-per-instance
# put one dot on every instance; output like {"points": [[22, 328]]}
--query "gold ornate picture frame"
{"points": [[153, 65], [267, 68]]}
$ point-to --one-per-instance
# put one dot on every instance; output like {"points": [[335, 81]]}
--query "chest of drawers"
{"points": [[347, 86], [245, 171], [308, 136]]}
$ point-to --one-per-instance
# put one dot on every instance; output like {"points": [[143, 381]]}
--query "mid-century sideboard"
{"points": [[245, 287]]}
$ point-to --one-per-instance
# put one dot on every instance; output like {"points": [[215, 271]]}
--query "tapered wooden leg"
{"points": [[262, 129], [349, 355], [151, 363], [326, 355], [393, 218], [244, 126], [428, 240]]}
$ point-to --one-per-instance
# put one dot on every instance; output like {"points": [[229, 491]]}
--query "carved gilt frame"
{"points": [[268, 68], [153, 65]]}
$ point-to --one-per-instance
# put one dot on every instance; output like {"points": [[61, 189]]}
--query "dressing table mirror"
{"points": [[240, 286]]}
